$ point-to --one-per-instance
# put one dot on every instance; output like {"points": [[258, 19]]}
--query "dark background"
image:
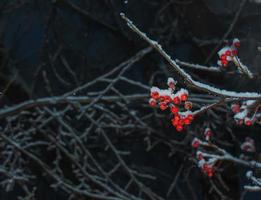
{"points": [[92, 38]]}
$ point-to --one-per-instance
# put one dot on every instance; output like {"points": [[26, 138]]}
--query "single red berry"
{"points": [[210, 173], [223, 57], [181, 122], [195, 143], [235, 108], [188, 105], [190, 117], [175, 122], [179, 128], [172, 85], [237, 44], [248, 122], [228, 53], [163, 106], [177, 117], [224, 62], [174, 109], [176, 100], [208, 133], [152, 102], [154, 95], [187, 121], [167, 99], [184, 97]]}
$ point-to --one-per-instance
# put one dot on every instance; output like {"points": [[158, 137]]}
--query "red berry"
{"points": [[228, 53], [184, 97], [167, 99], [177, 117], [223, 57], [224, 62], [162, 98], [172, 85], [190, 117], [195, 143], [187, 121], [163, 106], [176, 100], [235, 108], [179, 128], [152, 102], [175, 122], [237, 44], [174, 109], [154, 95], [208, 133], [210, 174], [188, 105], [248, 122], [181, 122]]}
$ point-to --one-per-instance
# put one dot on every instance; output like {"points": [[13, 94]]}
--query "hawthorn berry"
{"points": [[184, 97], [228, 53], [174, 109], [235, 108], [248, 122], [154, 95], [195, 143], [187, 121], [163, 105], [152, 102], [171, 83], [188, 105], [179, 127], [176, 100]]}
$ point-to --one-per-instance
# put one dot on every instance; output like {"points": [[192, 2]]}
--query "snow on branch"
{"points": [[188, 79]]}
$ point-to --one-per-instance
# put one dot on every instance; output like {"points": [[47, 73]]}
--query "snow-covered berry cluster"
{"points": [[243, 112], [206, 164], [247, 147], [177, 102], [228, 53]]}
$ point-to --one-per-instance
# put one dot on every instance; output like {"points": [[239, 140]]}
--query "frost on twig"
{"points": [[256, 182], [189, 80]]}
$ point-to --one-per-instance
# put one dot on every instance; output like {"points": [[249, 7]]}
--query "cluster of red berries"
{"points": [[241, 113], [176, 102], [207, 166], [227, 53]]}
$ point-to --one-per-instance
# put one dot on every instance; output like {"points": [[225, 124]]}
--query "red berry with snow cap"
{"points": [[195, 143], [152, 102]]}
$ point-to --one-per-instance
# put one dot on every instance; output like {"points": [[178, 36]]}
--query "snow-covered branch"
{"points": [[188, 79]]}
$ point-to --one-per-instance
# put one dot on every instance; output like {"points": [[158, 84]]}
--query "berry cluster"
{"points": [[206, 165], [177, 102], [227, 53], [242, 113]]}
